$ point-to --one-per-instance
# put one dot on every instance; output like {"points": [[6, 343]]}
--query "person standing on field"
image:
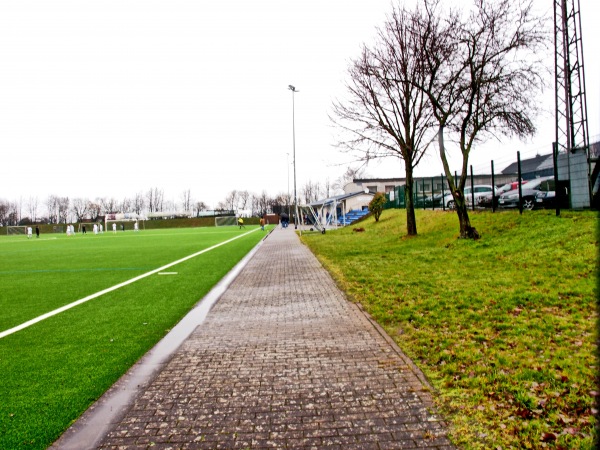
{"points": [[37, 231], [114, 227], [241, 222], [29, 232], [262, 223]]}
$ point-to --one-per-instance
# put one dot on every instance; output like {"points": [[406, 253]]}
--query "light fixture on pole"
{"points": [[293, 89]]}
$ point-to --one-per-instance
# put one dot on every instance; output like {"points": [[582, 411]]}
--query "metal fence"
{"points": [[568, 186]]}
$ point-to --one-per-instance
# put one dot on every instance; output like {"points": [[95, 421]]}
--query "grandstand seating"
{"points": [[352, 216]]}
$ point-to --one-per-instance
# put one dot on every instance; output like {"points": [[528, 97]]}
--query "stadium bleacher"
{"points": [[352, 216]]}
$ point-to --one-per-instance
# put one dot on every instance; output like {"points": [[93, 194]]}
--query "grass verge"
{"points": [[503, 327]]}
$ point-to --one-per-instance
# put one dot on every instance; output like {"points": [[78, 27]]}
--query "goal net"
{"points": [[11, 230], [222, 221]]}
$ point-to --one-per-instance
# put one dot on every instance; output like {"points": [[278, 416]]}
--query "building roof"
{"points": [[339, 198], [528, 165]]}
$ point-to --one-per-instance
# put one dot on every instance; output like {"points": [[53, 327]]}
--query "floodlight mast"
{"points": [[288, 183], [293, 89]]}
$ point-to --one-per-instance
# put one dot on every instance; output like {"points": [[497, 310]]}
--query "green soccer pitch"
{"points": [[131, 294]]}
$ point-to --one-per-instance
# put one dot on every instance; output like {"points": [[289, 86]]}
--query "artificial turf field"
{"points": [[52, 371]]}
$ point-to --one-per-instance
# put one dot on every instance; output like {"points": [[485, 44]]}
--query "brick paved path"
{"points": [[283, 361]]}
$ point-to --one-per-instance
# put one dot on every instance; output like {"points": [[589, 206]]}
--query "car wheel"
{"points": [[450, 204], [528, 203]]}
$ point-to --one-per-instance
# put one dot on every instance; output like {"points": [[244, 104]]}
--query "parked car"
{"points": [[435, 201], [529, 190], [485, 201], [478, 191], [546, 198]]}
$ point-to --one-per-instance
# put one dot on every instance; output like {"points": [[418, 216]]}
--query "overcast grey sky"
{"points": [[112, 98]]}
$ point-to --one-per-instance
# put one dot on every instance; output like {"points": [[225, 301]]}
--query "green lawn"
{"points": [[505, 327], [52, 371]]}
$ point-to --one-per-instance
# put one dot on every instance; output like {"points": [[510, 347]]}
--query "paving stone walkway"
{"points": [[283, 360]]}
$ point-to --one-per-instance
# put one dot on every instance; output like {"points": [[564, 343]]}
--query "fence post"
{"points": [[423, 192], [432, 206], [519, 181], [556, 190], [493, 189], [443, 193], [472, 190]]}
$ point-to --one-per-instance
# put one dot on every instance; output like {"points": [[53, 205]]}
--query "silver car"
{"points": [[510, 199], [479, 190]]}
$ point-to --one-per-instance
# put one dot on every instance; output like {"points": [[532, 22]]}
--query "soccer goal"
{"points": [[223, 221], [12, 230]]}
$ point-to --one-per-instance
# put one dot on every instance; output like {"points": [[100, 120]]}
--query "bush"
{"points": [[376, 205]]}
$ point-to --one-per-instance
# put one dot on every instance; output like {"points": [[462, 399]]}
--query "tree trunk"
{"points": [[411, 221], [466, 230]]}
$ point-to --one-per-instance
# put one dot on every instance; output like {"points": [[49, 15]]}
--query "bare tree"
{"points": [[109, 205], [80, 208], [186, 200], [13, 213], [94, 210], [4, 209], [155, 198], [327, 188], [310, 191], [199, 207], [279, 204], [125, 205], [243, 199], [387, 114], [484, 74], [63, 204], [150, 200], [33, 205], [348, 177], [138, 203], [263, 203], [231, 201]]}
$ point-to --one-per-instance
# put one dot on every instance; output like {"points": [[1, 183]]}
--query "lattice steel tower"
{"points": [[572, 136]]}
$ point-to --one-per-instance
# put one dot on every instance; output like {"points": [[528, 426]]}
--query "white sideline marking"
{"points": [[168, 273], [113, 288]]}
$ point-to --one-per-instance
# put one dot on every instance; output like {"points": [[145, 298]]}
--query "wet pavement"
{"points": [[282, 360]]}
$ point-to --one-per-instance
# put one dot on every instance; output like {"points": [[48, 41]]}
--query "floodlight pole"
{"points": [[293, 89], [288, 176]]}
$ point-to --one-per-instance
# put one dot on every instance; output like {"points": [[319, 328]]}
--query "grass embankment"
{"points": [[52, 371], [503, 327]]}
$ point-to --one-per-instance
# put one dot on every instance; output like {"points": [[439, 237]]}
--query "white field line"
{"points": [[114, 288]]}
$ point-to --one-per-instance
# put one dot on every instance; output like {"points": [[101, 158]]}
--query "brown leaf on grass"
{"points": [[549, 437], [524, 413], [563, 420]]}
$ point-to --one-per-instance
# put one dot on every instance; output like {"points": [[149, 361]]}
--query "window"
{"points": [[372, 189]]}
